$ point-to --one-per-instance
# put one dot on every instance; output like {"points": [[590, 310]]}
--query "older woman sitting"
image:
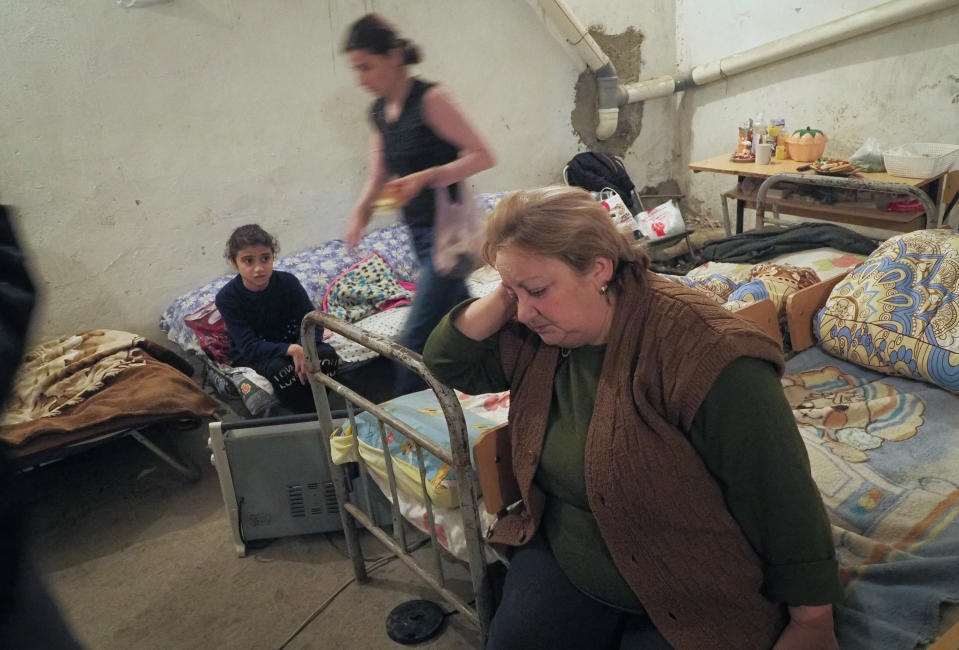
{"points": [[667, 498]]}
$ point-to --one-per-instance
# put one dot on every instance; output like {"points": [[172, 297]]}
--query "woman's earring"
{"points": [[603, 289]]}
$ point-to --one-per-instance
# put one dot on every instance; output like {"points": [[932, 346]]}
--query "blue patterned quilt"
{"points": [[884, 452]]}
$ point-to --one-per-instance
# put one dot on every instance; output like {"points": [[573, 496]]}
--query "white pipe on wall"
{"points": [[612, 95], [639, 91], [558, 13], [841, 29], [837, 30]]}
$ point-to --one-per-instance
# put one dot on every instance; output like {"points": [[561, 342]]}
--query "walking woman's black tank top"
{"points": [[410, 145]]}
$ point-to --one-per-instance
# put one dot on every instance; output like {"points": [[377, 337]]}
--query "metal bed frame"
{"points": [[30, 461], [458, 457]]}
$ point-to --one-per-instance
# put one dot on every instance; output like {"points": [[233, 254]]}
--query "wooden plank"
{"points": [[802, 306], [948, 641], [721, 164], [950, 187], [853, 213], [764, 314], [492, 453], [837, 209]]}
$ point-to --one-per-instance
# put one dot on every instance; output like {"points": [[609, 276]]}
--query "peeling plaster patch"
{"points": [[624, 51], [666, 187]]}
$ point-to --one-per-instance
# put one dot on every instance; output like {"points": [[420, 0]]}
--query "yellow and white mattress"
{"points": [[422, 411]]}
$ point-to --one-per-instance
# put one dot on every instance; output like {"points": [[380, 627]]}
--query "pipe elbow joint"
{"points": [[608, 90], [608, 121], [610, 96]]}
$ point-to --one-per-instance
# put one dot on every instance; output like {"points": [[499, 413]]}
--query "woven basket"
{"points": [[921, 159]]}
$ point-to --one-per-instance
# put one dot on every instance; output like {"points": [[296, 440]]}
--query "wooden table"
{"points": [[853, 213]]}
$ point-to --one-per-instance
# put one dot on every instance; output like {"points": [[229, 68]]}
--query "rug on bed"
{"points": [[884, 452], [98, 380]]}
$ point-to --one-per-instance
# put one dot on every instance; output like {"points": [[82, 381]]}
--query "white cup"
{"points": [[764, 152]]}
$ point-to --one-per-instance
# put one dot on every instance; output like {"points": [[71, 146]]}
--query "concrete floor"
{"points": [[139, 557]]}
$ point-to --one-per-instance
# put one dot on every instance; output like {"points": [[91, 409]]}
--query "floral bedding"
{"points": [[898, 312], [735, 286], [316, 268]]}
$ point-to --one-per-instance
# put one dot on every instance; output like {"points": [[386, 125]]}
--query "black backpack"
{"points": [[596, 171]]}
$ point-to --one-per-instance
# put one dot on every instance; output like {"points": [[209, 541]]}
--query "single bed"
{"points": [[883, 448], [194, 324], [332, 275], [414, 449], [874, 386], [79, 391], [429, 473]]}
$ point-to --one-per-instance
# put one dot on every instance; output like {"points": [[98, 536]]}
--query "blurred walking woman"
{"points": [[421, 143]]}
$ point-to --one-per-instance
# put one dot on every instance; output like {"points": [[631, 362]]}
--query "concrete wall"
{"points": [[135, 140], [899, 84]]}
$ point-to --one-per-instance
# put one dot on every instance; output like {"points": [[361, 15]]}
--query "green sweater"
{"points": [[764, 478]]}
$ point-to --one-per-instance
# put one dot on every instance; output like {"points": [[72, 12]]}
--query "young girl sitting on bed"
{"points": [[263, 309]]}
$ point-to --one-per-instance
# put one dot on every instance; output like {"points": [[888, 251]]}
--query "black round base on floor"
{"points": [[414, 621]]}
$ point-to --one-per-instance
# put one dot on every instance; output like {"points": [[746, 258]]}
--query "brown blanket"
{"points": [[93, 383]]}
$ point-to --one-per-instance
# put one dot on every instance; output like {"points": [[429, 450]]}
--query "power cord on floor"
{"points": [[372, 565], [332, 597], [346, 554]]}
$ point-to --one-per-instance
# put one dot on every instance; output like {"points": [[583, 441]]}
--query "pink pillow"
{"points": [[209, 327]]}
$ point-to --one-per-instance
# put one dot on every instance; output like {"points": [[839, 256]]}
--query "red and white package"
{"points": [[662, 221]]}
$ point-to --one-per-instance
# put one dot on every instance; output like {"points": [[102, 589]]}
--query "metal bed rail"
{"points": [[458, 457], [848, 183]]}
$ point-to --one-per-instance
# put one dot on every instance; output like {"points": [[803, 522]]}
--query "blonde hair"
{"points": [[563, 222]]}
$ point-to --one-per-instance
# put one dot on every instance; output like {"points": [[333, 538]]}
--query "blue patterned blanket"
{"points": [[884, 452]]}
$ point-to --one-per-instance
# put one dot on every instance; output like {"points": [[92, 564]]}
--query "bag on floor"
{"points": [[596, 171], [662, 221], [458, 233], [618, 211]]}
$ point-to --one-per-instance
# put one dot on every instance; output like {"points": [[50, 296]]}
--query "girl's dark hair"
{"points": [[375, 35], [246, 236]]}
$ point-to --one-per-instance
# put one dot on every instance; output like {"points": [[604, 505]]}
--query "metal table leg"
{"points": [[723, 199], [740, 208]]}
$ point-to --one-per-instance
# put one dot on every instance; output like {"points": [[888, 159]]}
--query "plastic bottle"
{"points": [[759, 130], [781, 152]]}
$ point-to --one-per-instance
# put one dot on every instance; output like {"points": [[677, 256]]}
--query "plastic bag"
{"points": [[618, 211], [458, 233], [869, 156], [662, 221]]}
